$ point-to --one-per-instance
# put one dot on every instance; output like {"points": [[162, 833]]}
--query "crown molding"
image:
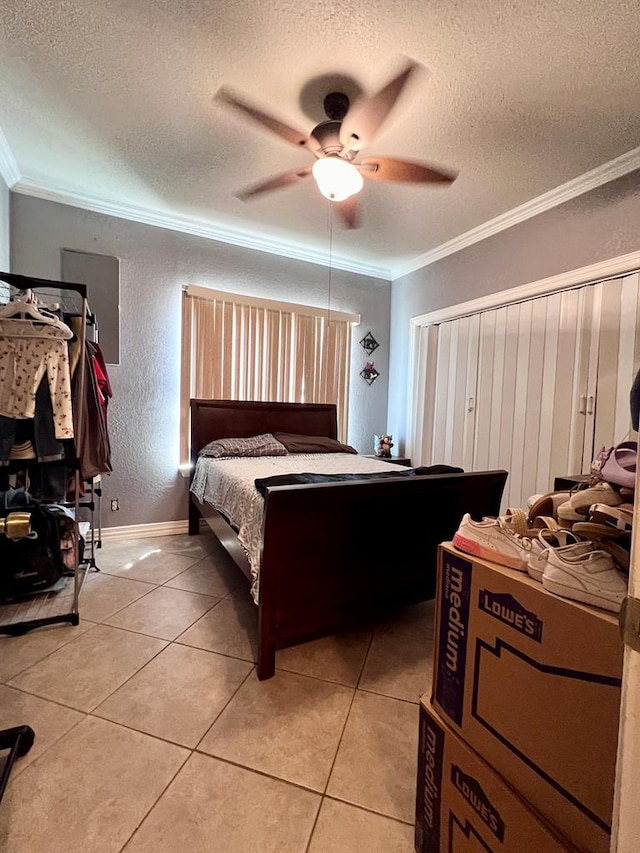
{"points": [[622, 165], [197, 228], [600, 271], [616, 168], [8, 164]]}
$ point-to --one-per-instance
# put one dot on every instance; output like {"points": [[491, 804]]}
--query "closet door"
{"points": [[609, 419], [535, 387], [454, 396], [422, 407], [533, 372], [510, 380]]}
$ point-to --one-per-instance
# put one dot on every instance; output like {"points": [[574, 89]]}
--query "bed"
{"points": [[334, 553]]}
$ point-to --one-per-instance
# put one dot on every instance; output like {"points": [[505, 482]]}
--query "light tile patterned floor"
{"points": [[153, 734]]}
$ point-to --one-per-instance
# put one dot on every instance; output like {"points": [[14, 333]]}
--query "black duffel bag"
{"points": [[33, 562]]}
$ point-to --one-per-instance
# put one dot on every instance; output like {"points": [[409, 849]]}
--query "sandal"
{"points": [[620, 517], [547, 504], [593, 530], [544, 522]]}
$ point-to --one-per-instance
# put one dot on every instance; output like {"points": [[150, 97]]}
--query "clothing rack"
{"points": [[50, 606]]}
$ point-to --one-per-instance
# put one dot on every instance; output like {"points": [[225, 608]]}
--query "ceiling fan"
{"points": [[336, 142]]}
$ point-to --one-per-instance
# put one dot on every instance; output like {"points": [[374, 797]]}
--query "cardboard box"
{"points": [[463, 806], [531, 681]]}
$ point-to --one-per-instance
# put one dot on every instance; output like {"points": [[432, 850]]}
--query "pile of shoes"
{"points": [[576, 544]]}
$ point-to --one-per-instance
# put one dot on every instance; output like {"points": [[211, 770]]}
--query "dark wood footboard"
{"points": [[333, 553], [336, 552]]}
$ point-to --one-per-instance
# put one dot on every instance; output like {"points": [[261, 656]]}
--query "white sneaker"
{"points": [[590, 577], [546, 541], [492, 539]]}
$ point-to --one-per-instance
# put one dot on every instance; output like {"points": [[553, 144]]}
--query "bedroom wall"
{"points": [[155, 264], [4, 226], [598, 225]]}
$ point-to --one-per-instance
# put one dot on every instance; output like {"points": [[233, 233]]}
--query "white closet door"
{"points": [[533, 368], [456, 355], [510, 380], [422, 411], [531, 387], [617, 361], [576, 312]]}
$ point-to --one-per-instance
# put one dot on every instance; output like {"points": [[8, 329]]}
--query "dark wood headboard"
{"points": [[212, 419]]}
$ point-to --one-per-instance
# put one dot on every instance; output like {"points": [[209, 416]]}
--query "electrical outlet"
{"points": [[115, 506]]}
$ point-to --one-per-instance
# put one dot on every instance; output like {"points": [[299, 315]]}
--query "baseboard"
{"points": [[145, 531]]}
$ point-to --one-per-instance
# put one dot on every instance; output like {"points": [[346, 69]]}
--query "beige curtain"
{"points": [[235, 350]]}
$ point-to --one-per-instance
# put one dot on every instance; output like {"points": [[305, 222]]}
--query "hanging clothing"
{"points": [[92, 438], [102, 377], [35, 438], [23, 363]]}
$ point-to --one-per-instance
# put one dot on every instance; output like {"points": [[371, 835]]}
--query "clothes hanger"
{"points": [[31, 315]]}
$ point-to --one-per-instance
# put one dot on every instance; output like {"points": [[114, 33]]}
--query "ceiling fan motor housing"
{"points": [[324, 140]]}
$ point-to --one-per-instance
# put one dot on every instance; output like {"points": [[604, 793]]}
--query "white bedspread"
{"points": [[229, 486]]}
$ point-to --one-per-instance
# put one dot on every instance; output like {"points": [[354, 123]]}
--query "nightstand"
{"points": [[395, 460]]}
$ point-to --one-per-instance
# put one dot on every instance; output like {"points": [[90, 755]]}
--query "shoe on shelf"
{"points": [[619, 517], [592, 530], [547, 504], [517, 521], [566, 515], [589, 577], [547, 540], [602, 493], [618, 551], [493, 539]]}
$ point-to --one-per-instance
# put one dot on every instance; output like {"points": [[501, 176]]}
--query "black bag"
{"points": [[33, 562]]}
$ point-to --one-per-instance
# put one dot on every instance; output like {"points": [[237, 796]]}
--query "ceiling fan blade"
{"points": [[403, 171], [290, 134], [286, 179], [349, 211], [367, 114]]}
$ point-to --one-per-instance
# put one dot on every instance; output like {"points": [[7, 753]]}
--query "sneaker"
{"points": [[492, 539], [590, 577], [617, 550], [550, 539]]}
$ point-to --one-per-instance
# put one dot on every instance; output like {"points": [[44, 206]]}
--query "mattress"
{"points": [[229, 486]]}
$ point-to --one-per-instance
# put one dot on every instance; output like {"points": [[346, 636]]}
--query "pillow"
{"points": [[255, 445], [312, 443]]}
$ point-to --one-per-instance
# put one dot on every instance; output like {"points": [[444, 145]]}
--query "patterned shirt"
{"points": [[23, 362]]}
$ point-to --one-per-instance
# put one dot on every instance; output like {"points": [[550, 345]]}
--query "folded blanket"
{"points": [[296, 479]]}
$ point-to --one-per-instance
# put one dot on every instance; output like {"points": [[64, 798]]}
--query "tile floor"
{"points": [[153, 734]]}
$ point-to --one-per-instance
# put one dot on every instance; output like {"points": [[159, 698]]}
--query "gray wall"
{"points": [[155, 264], [598, 225], [4, 226]]}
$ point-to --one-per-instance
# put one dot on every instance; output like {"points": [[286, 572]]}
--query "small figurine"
{"points": [[385, 443]]}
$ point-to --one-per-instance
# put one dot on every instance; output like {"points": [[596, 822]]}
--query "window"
{"points": [[239, 348]]}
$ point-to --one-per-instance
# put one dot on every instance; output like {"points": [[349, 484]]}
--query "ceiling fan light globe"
{"points": [[337, 180]]}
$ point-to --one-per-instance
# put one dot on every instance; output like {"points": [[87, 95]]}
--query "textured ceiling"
{"points": [[111, 99]]}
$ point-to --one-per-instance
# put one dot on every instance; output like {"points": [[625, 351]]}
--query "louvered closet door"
{"points": [[532, 378], [449, 412], [535, 387], [608, 415]]}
